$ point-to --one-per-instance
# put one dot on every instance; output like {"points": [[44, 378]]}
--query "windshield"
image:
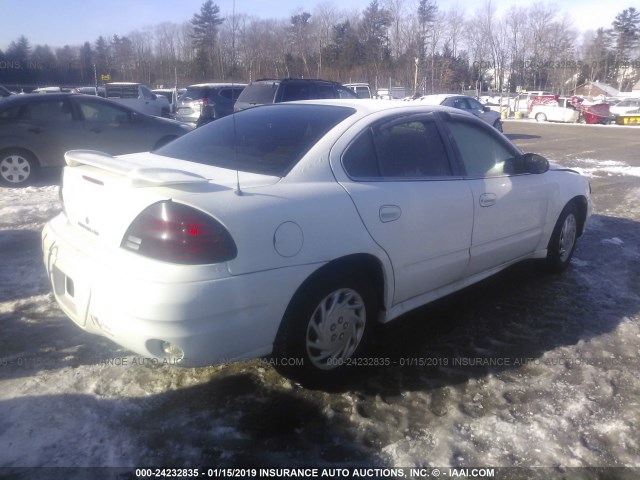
{"points": [[268, 140]]}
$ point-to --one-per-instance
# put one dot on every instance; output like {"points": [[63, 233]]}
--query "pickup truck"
{"points": [[139, 97]]}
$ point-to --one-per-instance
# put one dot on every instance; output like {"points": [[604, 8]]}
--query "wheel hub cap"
{"points": [[14, 169], [335, 329], [567, 237]]}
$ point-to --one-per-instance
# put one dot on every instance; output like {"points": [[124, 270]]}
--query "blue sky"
{"points": [[71, 22]]}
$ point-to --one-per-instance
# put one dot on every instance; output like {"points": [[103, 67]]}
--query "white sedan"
{"points": [[293, 228]]}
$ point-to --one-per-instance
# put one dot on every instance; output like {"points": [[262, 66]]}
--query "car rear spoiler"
{"points": [[137, 176]]}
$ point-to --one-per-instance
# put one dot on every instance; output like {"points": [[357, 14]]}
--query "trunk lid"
{"points": [[103, 194]]}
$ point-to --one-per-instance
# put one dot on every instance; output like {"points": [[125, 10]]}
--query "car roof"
{"points": [[437, 99], [28, 97], [213, 85], [287, 80], [366, 106]]}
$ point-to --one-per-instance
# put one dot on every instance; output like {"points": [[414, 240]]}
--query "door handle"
{"points": [[390, 213], [95, 130], [487, 199], [36, 130]]}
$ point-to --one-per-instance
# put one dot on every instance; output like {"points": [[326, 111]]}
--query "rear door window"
{"points": [[50, 110], [405, 150]]}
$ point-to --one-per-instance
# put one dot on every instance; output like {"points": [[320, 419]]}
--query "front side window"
{"points": [[405, 150], [93, 111], [483, 154]]}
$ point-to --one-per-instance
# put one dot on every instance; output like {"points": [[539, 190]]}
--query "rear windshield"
{"points": [[195, 93], [268, 140], [259, 93]]}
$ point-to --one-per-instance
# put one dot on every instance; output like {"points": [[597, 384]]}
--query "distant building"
{"points": [[596, 89]]}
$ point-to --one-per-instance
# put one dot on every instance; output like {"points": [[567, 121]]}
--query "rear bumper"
{"points": [[206, 315]]}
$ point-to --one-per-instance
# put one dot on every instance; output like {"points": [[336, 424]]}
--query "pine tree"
{"points": [[204, 36]]}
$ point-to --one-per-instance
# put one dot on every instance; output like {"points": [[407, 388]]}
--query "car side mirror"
{"points": [[534, 163]]}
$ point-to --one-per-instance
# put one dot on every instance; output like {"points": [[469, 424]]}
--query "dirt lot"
{"points": [[522, 370]]}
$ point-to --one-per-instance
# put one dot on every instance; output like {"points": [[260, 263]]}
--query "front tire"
{"points": [[497, 125], [18, 168], [563, 240], [326, 327], [541, 117]]}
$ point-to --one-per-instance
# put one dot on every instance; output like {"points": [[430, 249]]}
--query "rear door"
{"points": [[406, 191], [113, 129], [50, 129]]}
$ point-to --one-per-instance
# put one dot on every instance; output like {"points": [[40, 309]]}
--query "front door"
{"points": [[510, 208]]}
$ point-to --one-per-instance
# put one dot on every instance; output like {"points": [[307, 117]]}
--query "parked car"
{"points": [[362, 90], [36, 130], [220, 96], [625, 106], [468, 104], [555, 110], [139, 97], [268, 91], [294, 228], [99, 91], [522, 101], [4, 92]]}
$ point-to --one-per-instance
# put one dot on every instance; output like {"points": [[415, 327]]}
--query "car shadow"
{"points": [[509, 320], [232, 420], [520, 136]]}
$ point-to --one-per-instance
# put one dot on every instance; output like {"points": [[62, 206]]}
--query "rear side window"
{"points": [[297, 91], [268, 140], [50, 110], [344, 92], [411, 149], [230, 93], [11, 112], [194, 93], [259, 93]]}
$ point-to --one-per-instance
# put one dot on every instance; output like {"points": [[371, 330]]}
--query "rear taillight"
{"points": [[175, 233]]}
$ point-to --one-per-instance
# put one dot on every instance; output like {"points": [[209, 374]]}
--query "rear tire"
{"points": [[563, 240], [326, 328], [18, 168]]}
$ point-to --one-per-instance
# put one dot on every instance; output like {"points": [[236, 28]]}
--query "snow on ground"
{"points": [[521, 370], [598, 168]]}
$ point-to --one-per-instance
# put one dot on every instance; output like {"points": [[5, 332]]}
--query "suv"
{"points": [[267, 91], [220, 96]]}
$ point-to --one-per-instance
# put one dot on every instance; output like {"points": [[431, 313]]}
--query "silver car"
{"points": [[468, 104], [36, 131], [220, 96]]}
